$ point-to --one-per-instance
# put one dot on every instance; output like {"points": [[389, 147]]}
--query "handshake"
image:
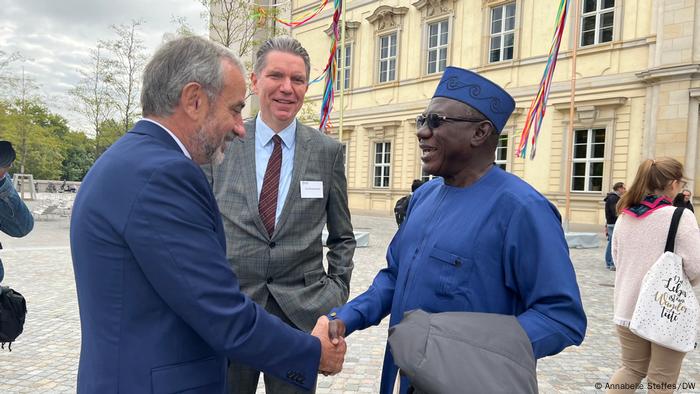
{"points": [[333, 347]]}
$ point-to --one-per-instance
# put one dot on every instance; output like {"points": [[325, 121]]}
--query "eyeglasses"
{"points": [[435, 120]]}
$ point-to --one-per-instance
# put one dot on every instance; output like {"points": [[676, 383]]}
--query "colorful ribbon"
{"points": [[262, 13], [331, 70], [538, 107]]}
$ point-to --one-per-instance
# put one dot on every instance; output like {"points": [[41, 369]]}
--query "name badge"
{"points": [[311, 189]]}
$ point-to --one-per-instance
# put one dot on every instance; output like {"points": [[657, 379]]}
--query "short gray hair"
{"points": [[179, 62], [284, 44]]}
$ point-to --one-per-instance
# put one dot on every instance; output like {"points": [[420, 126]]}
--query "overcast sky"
{"points": [[55, 36]]}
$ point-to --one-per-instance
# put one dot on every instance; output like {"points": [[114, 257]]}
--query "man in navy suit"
{"points": [[161, 310]]}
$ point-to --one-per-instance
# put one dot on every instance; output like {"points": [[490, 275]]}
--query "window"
{"points": [[502, 151], [502, 33], [437, 46], [346, 66], [387, 58], [589, 152], [382, 163], [597, 21], [345, 157]]}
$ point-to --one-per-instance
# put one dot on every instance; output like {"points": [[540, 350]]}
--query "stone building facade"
{"points": [[637, 89]]}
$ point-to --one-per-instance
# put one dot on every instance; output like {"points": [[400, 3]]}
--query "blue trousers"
{"points": [[608, 251]]}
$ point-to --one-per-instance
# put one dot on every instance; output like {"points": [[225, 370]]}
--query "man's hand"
{"points": [[336, 331], [332, 354]]}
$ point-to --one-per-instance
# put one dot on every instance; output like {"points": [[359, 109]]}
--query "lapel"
{"points": [[301, 159], [249, 180]]}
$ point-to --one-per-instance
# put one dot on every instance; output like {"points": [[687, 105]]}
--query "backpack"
{"points": [[400, 209], [13, 309]]}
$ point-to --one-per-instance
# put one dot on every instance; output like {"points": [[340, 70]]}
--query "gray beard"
{"points": [[204, 147]]}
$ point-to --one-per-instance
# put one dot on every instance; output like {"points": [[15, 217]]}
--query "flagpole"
{"points": [[342, 70], [570, 128]]}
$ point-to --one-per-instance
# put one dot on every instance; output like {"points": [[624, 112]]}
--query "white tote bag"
{"points": [[667, 310]]}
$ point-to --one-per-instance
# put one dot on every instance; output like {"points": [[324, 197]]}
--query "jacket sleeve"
{"points": [[539, 269], [341, 239], [172, 232], [15, 218], [369, 308]]}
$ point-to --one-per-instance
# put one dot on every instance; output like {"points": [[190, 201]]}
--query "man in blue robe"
{"points": [[476, 239]]}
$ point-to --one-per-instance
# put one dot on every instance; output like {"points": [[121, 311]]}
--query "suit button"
{"points": [[269, 280], [272, 244]]}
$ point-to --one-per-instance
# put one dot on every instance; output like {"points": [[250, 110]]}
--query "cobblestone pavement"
{"points": [[44, 360]]}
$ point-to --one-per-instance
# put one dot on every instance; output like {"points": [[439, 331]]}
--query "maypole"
{"points": [[538, 107], [342, 71], [263, 13], [331, 69], [570, 128]]}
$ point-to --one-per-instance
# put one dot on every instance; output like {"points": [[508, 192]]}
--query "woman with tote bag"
{"points": [[639, 239]]}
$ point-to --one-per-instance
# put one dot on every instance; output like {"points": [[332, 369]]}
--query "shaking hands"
{"points": [[333, 347]]}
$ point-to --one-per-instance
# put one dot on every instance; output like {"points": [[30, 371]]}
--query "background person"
{"points": [[611, 201], [683, 199], [277, 188], [401, 207], [15, 218], [639, 239]]}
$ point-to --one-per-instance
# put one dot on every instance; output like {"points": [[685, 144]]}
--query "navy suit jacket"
{"points": [[160, 308]]}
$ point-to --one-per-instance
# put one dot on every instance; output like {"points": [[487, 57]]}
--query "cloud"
{"points": [[55, 37]]}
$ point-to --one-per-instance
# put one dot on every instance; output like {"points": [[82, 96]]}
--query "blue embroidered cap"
{"points": [[477, 92]]}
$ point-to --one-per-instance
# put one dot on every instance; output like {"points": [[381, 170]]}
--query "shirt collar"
{"points": [[263, 133], [177, 140]]}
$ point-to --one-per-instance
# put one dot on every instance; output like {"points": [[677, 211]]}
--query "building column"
{"points": [[691, 155]]}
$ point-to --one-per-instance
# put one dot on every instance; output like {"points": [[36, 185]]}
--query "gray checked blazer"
{"points": [[289, 265]]}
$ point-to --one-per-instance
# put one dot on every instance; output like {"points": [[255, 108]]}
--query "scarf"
{"points": [[649, 204]]}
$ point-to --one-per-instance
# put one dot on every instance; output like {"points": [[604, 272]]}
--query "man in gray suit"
{"points": [[276, 190]]}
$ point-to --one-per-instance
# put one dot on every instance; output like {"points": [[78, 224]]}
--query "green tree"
{"points": [[38, 137], [23, 127], [78, 156], [126, 60], [7, 80], [42, 117], [92, 96], [39, 152], [44, 156], [236, 24], [111, 132]]}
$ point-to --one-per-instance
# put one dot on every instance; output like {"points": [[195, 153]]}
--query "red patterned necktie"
{"points": [[270, 189]]}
